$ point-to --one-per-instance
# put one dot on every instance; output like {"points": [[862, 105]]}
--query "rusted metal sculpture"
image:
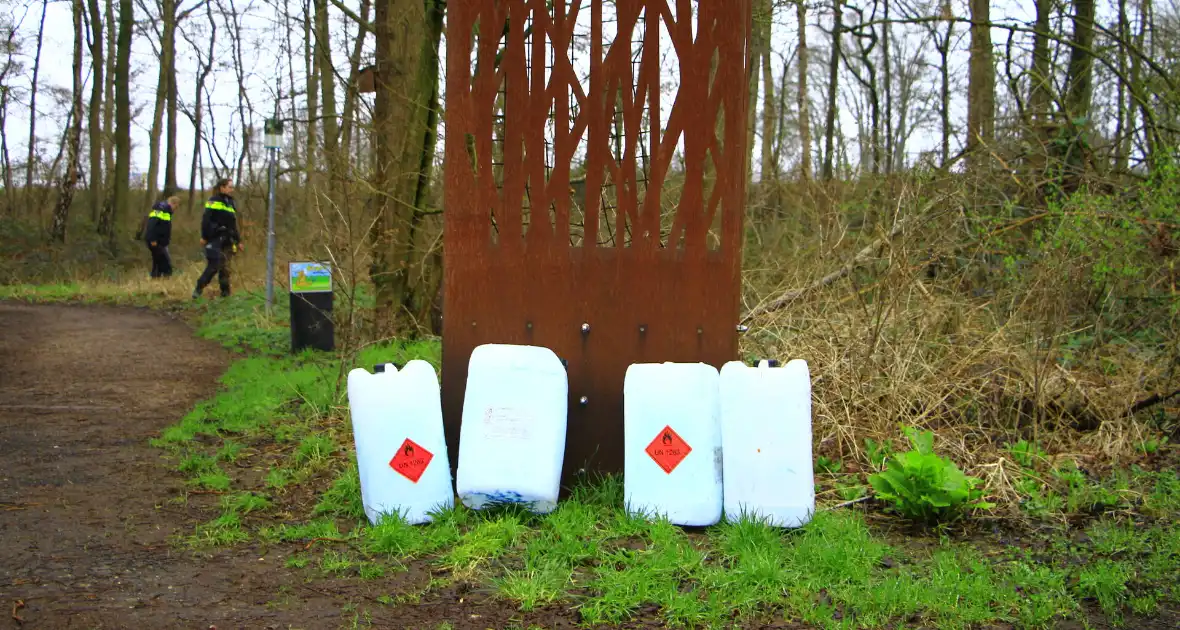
{"points": [[624, 257]]}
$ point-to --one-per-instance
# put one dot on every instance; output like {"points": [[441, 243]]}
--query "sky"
{"points": [[265, 61]]}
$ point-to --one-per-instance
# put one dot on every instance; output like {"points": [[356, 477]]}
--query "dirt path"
{"points": [[84, 539], [86, 532]]}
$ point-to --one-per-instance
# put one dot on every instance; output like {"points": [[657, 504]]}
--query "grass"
{"points": [[269, 462]]}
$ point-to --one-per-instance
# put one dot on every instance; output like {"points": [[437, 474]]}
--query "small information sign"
{"points": [[310, 277]]}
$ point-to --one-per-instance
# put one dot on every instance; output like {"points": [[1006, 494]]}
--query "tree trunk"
{"points": [[31, 161], [833, 90], [1124, 126], [769, 119], [354, 63], [425, 266], [122, 194], [167, 14], [887, 68], [1133, 104], [981, 90], [94, 122], [65, 194], [944, 110], [311, 60], [1040, 98], [408, 36], [870, 83], [108, 120], [323, 52], [803, 98], [758, 41], [5, 162], [294, 152], [168, 52], [245, 156], [1079, 91], [206, 66], [1081, 63]]}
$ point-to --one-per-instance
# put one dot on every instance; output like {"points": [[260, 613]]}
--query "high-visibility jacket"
{"points": [[219, 225], [159, 224]]}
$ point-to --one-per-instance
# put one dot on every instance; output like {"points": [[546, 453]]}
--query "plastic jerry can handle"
{"points": [[380, 367], [766, 363]]}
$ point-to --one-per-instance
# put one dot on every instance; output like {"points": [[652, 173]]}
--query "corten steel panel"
{"points": [[665, 295]]}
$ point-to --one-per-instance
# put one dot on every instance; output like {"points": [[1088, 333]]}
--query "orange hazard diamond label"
{"points": [[668, 450], [411, 460]]}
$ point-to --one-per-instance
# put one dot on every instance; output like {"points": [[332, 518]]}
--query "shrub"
{"points": [[923, 486]]}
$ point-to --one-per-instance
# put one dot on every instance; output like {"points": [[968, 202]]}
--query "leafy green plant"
{"points": [[852, 492], [826, 465], [1105, 581], [878, 452], [923, 486], [1151, 446], [1026, 453], [1038, 500]]}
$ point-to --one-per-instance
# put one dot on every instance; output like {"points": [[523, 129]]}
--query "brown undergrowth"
{"points": [[970, 327]]}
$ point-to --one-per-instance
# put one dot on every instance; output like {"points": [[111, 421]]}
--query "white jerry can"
{"points": [[401, 452], [766, 434], [672, 461], [512, 437]]}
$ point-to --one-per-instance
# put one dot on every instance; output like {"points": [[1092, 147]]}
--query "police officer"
{"points": [[157, 234], [219, 235]]}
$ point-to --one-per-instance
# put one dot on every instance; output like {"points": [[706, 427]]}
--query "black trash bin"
{"points": [[311, 306]]}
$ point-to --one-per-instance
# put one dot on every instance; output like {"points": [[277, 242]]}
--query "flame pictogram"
{"points": [[667, 449], [407, 461]]}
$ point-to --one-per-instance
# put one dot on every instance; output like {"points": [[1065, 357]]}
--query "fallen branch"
{"points": [[323, 539], [1152, 401], [61, 407], [848, 503], [859, 259], [12, 507]]}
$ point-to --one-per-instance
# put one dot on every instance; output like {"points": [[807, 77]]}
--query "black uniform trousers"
{"points": [[161, 261], [217, 258]]}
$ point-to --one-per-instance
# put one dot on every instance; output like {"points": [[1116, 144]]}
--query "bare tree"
{"points": [[94, 122], [10, 64], [323, 54], [167, 11], [866, 39], [73, 141], [108, 226], [407, 72], [887, 69], [833, 89], [195, 116], [354, 64], [759, 42], [30, 163], [981, 93], [312, 65], [769, 164], [234, 27], [943, 43], [108, 118], [164, 113], [803, 99]]}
